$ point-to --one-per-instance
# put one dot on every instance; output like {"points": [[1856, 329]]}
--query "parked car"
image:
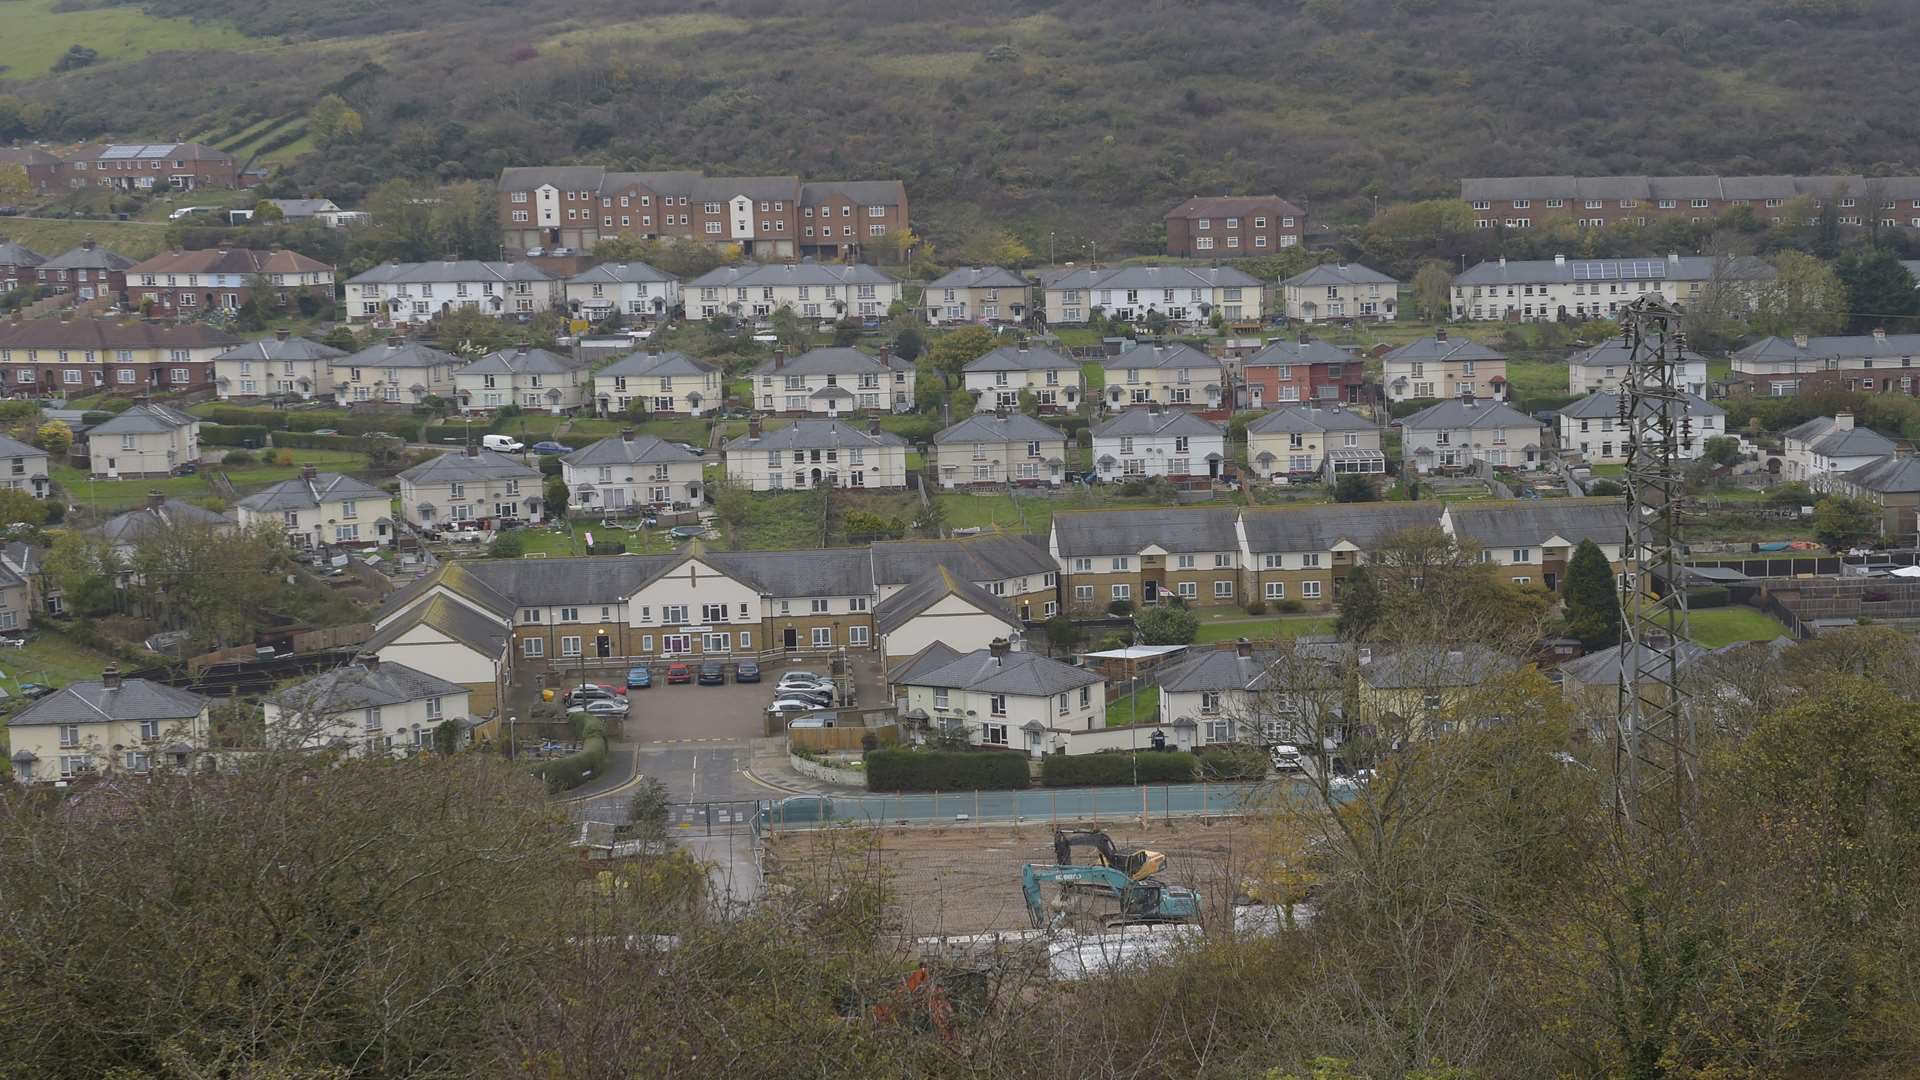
{"points": [[819, 699], [189, 211], [696, 451], [801, 677], [325, 431], [33, 690], [805, 688], [534, 253], [791, 707], [639, 678], [602, 707], [767, 339], [803, 723], [713, 673], [580, 695], [550, 447], [746, 671], [502, 444], [1286, 758], [679, 673]]}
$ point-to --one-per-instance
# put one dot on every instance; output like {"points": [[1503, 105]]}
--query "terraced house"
{"points": [[1543, 290], [1233, 226], [833, 380], [1304, 369], [395, 372], [182, 166], [403, 294], [997, 379], [533, 379], [280, 365], [1340, 291], [767, 217], [65, 357], [633, 289], [1302, 444], [809, 290], [810, 454], [1516, 202], [1303, 555], [184, 284], [1009, 567], [1532, 541], [1134, 557], [1176, 375], [1184, 294], [1875, 363], [321, 509], [977, 294], [1003, 448], [628, 471], [667, 383]]}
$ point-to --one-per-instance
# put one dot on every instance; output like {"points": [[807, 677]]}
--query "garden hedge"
{"points": [[1116, 768], [301, 440], [1711, 596], [1232, 761], [946, 770], [233, 435], [563, 774]]}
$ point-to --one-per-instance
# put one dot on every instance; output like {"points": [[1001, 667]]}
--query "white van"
{"points": [[504, 444]]}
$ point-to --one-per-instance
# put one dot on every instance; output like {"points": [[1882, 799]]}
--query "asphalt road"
{"points": [[1062, 804]]}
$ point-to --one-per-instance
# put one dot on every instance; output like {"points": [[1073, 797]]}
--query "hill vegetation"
{"points": [[1024, 113]]}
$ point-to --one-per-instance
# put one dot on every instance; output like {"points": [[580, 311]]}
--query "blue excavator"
{"points": [[1136, 901]]}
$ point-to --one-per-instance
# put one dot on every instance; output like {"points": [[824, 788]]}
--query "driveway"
{"points": [[732, 713]]}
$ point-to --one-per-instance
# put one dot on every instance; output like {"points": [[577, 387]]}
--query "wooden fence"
{"points": [[842, 738]]}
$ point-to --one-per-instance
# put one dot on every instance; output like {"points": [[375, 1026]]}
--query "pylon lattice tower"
{"points": [[1655, 743]]}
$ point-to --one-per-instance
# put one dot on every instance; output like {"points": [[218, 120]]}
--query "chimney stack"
{"points": [[1466, 397], [1153, 408], [886, 353], [1306, 338], [626, 434], [779, 359], [997, 648], [1243, 648], [370, 661], [1880, 335], [1503, 262], [1799, 339], [653, 350], [110, 678], [395, 340], [87, 243], [1440, 334], [753, 428], [1559, 260], [520, 349], [1673, 258], [282, 334], [1843, 421], [156, 499], [309, 472], [873, 425]]}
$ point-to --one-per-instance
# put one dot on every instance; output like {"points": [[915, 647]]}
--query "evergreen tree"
{"points": [[1361, 606], [1593, 606], [1880, 291]]}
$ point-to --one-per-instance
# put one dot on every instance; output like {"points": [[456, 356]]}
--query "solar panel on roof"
{"points": [[156, 151], [113, 153]]}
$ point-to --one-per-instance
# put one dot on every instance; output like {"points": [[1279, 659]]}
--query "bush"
{"points": [[304, 441], [946, 770], [1121, 608], [570, 772], [1231, 761], [1117, 767], [1289, 606], [266, 418], [237, 457], [1712, 596], [233, 435], [1256, 607]]}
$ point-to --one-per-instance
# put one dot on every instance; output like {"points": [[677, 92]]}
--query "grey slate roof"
{"points": [[452, 618], [988, 557], [1528, 524], [1021, 358], [274, 348], [815, 435], [831, 360], [1129, 532], [619, 450], [1605, 404], [1157, 357], [976, 277], [825, 572], [1838, 346], [1823, 435], [1602, 668], [863, 192], [90, 702], [1414, 667], [403, 354], [1304, 419], [1453, 414], [450, 270], [909, 603], [936, 655], [13, 254], [295, 209], [583, 581], [1339, 274], [1437, 350], [528, 362], [300, 493], [1323, 527], [354, 686], [620, 273], [1311, 351], [1216, 669], [147, 418], [1141, 423], [645, 363], [1019, 673], [1144, 278], [132, 525], [12, 448], [754, 276], [1892, 475], [1649, 269], [459, 466], [989, 428], [88, 258]]}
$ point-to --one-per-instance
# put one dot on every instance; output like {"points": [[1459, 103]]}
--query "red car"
{"points": [[679, 673]]}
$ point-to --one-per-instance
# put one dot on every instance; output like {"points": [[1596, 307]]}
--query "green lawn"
{"points": [[780, 521], [38, 32], [558, 544], [50, 660], [1530, 379], [1231, 624], [134, 239], [1142, 707], [1715, 627], [115, 495]]}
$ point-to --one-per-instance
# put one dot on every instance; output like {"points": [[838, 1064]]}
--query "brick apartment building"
{"points": [[1234, 226], [186, 283], [90, 271], [1518, 202], [62, 357], [145, 167], [770, 217]]}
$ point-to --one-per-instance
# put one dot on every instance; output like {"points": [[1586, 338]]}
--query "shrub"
{"points": [[1712, 596], [237, 457], [1231, 761], [1256, 607], [569, 772], [233, 435], [1118, 767], [945, 770], [1121, 608], [266, 418], [306, 441], [1289, 606]]}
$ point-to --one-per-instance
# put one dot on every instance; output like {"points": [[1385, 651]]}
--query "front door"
{"points": [[792, 639], [1150, 592], [604, 645], [1553, 581]]}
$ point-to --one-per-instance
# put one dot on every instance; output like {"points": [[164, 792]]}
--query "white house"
{"points": [[942, 607], [811, 290], [830, 381], [534, 379], [1443, 367], [989, 448], [1826, 446], [623, 472], [809, 454], [1235, 694], [23, 468], [317, 509], [1164, 375], [124, 531], [460, 641], [404, 294], [107, 725], [1458, 433], [634, 289], [664, 383], [997, 378], [1603, 366], [1340, 291], [281, 364], [148, 439], [999, 697], [977, 294], [1306, 444], [1560, 288], [1151, 442], [368, 708], [1184, 294], [1593, 428], [477, 486], [396, 371]]}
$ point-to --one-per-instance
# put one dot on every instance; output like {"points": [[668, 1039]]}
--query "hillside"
{"points": [[1029, 113]]}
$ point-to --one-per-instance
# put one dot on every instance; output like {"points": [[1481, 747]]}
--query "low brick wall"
{"points": [[827, 774]]}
